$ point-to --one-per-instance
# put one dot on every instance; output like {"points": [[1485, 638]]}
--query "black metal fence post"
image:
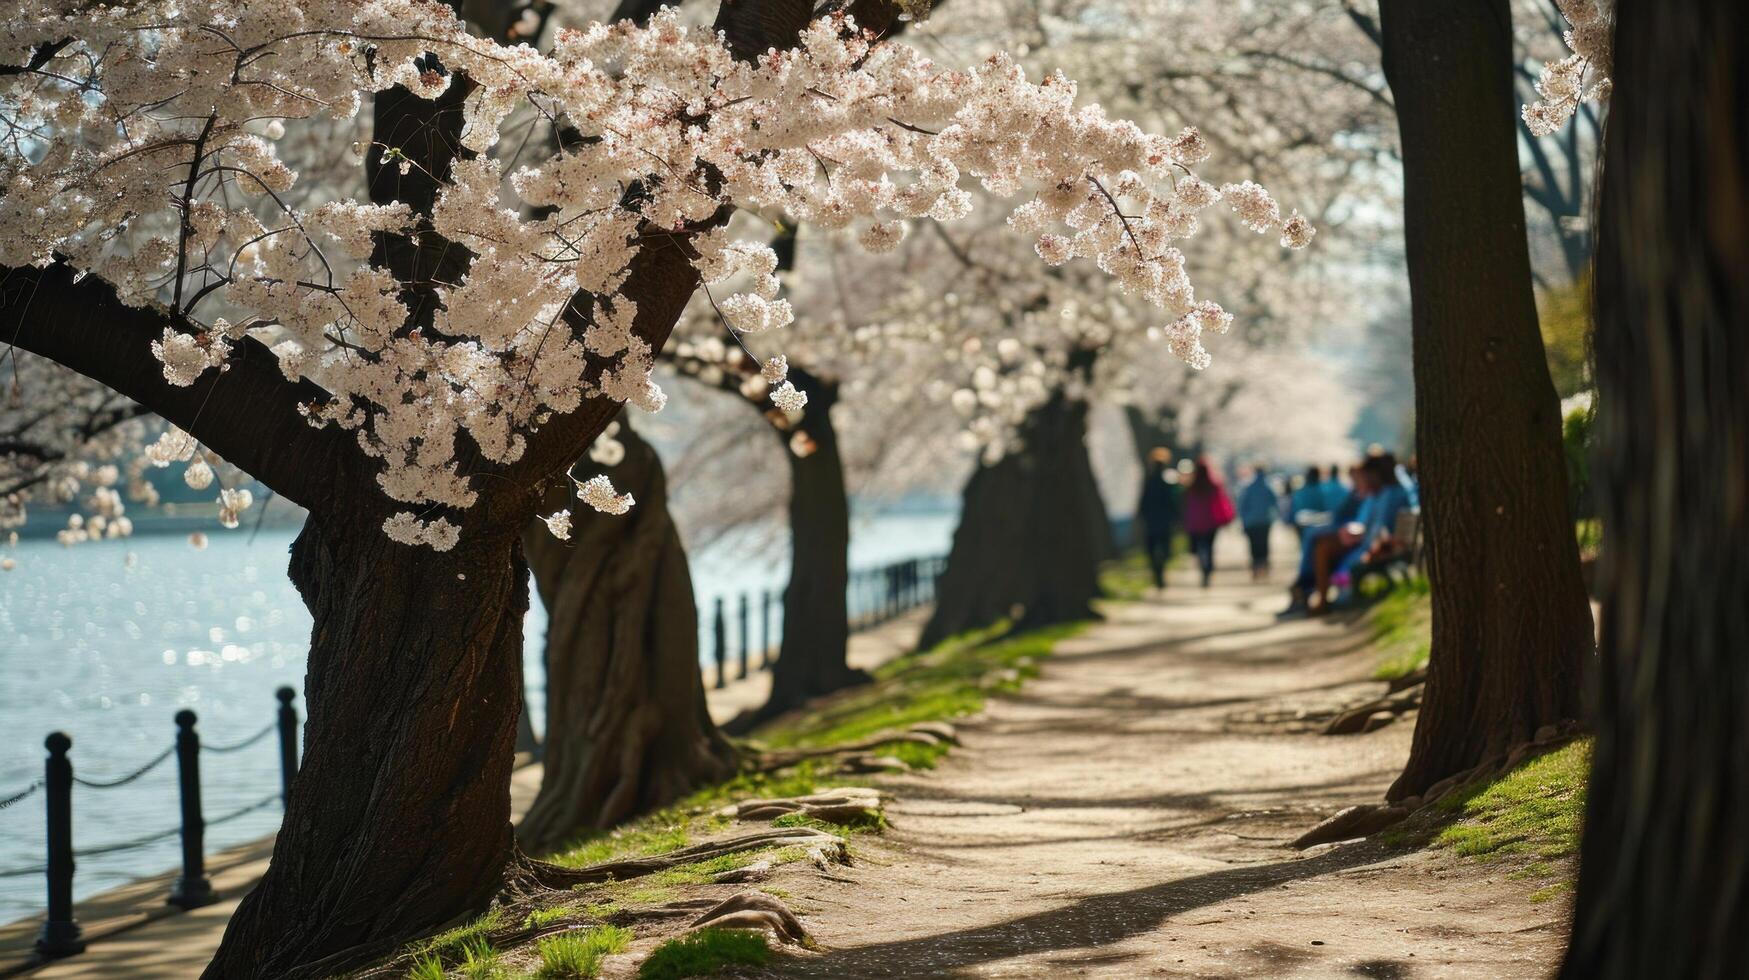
{"points": [[60, 933], [765, 629], [288, 742], [192, 889], [746, 635], [720, 646]]}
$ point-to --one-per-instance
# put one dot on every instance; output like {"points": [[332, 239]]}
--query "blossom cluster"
{"points": [[1562, 85], [838, 132], [64, 439]]}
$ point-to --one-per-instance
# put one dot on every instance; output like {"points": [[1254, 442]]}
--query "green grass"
{"points": [[641, 839], [941, 684], [454, 944], [663, 886], [1129, 579], [1535, 809], [541, 918], [578, 955], [1402, 630], [480, 961], [1531, 815], [426, 967], [1126, 579], [1549, 892], [705, 952], [862, 823], [1589, 533], [949, 681]]}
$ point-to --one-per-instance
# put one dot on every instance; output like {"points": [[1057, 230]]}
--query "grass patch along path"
{"points": [[1403, 630]]}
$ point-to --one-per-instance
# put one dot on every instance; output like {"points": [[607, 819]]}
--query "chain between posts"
{"points": [[130, 777]]}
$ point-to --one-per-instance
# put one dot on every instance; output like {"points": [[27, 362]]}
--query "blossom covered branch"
{"points": [[1582, 76], [152, 151]]}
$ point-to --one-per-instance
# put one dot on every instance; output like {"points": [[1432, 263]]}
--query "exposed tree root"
{"points": [[756, 910], [1354, 822], [553, 876], [862, 765], [784, 758], [944, 731], [849, 805], [1377, 713], [923, 733], [530, 885], [757, 871], [1367, 819]]}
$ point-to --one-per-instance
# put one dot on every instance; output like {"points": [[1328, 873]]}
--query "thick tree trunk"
{"points": [[399, 819], [628, 729], [1664, 869], [1032, 532], [1511, 623], [812, 657]]}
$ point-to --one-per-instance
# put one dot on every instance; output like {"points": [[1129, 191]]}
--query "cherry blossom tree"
{"points": [[414, 368], [66, 442], [611, 670]]}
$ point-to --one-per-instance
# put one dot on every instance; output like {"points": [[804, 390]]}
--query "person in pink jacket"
{"points": [[1207, 509]]}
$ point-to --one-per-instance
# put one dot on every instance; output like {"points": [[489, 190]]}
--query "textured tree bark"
{"points": [[1664, 869], [1032, 532], [812, 657], [418, 780], [1511, 624], [628, 729]]}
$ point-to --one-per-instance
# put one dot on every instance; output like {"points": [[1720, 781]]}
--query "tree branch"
{"points": [[1380, 95], [1365, 22], [44, 54], [247, 412]]}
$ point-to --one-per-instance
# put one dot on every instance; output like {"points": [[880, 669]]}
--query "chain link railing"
{"points": [[271, 727], [872, 596], [130, 777], [21, 795], [60, 934]]}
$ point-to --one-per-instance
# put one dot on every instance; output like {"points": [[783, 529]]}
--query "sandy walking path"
{"points": [[1126, 815]]}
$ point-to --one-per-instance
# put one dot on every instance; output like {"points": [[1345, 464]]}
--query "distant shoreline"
{"points": [[44, 524]]}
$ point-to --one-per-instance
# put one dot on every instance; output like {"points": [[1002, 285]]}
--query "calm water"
{"points": [[108, 640]]}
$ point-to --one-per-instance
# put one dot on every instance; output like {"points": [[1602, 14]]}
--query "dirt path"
{"points": [[1127, 815]]}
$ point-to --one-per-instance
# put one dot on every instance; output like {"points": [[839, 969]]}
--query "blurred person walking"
{"points": [[1207, 509], [1258, 509], [1160, 509]]}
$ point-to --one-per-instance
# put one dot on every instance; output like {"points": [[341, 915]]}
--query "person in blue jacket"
{"points": [[1306, 509], [1258, 509]]}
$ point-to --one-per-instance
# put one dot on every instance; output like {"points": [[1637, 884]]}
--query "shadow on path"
{"points": [[1087, 923]]}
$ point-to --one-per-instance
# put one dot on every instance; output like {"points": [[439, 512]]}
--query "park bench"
{"points": [[1403, 561]]}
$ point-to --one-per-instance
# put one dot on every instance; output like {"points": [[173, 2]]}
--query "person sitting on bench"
{"points": [[1366, 537], [1343, 514]]}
